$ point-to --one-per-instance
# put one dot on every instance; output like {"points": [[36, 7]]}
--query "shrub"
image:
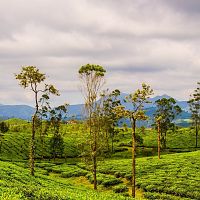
{"points": [[120, 188], [73, 173]]}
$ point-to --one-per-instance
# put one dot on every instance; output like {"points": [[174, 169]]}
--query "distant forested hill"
{"points": [[77, 111]]}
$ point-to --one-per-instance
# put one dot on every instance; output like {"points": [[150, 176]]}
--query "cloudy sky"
{"points": [[157, 42]]}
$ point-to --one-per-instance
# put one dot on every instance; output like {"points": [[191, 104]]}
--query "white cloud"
{"points": [[136, 40]]}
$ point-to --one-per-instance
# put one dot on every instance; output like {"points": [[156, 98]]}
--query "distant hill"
{"points": [[183, 104], [77, 111], [16, 111], [26, 112]]}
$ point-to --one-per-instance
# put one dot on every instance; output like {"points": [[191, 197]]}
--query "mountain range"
{"points": [[77, 111]]}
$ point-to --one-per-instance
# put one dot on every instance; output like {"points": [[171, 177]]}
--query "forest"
{"points": [[101, 156]]}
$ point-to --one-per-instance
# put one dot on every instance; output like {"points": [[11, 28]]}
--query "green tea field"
{"points": [[175, 176]]}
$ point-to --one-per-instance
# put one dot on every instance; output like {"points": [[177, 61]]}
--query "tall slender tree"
{"points": [[137, 112], [158, 120], [92, 77], [166, 111], [31, 77], [194, 104]]}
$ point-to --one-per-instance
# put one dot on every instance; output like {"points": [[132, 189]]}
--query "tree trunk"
{"points": [[32, 142], [112, 144], [42, 139], [107, 141], [165, 140], [133, 157], [95, 162], [32, 147], [1, 141], [158, 139], [196, 130], [0, 145], [42, 142]]}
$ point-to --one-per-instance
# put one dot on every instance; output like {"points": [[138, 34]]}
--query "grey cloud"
{"points": [[136, 40], [191, 7]]}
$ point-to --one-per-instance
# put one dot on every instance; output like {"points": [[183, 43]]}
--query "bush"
{"points": [[73, 173], [105, 180], [57, 146], [109, 181], [3, 127], [120, 188], [121, 149]]}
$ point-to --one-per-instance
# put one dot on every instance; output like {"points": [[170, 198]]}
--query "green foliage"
{"points": [[92, 78], [15, 143], [166, 112], [176, 176], [89, 69], [120, 188], [104, 179], [109, 119], [170, 178], [30, 75], [3, 127], [194, 103], [137, 112], [57, 114], [18, 125], [56, 146], [54, 124], [16, 183]]}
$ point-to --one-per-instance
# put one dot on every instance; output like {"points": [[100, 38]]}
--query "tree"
{"points": [[92, 80], [166, 111], [194, 104], [31, 77], [137, 100], [3, 129], [57, 114], [158, 120], [109, 119], [43, 119]]}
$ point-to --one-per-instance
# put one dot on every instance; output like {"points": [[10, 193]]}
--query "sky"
{"points": [[136, 41]]}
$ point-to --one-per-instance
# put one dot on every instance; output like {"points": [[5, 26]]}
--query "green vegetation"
{"points": [[16, 141], [67, 159], [175, 176], [166, 112], [30, 77], [16, 183], [92, 82], [137, 100], [194, 103]]}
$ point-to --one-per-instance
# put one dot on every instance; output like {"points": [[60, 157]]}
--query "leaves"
{"points": [[30, 75], [194, 104], [138, 99], [167, 110], [89, 69]]}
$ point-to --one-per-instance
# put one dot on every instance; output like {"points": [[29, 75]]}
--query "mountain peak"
{"points": [[160, 97]]}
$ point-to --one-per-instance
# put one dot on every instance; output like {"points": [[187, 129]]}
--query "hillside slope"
{"points": [[17, 184]]}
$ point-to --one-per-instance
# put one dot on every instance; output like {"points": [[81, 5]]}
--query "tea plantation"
{"points": [[175, 176], [16, 183]]}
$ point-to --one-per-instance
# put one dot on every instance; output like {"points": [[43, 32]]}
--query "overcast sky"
{"points": [[157, 42]]}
